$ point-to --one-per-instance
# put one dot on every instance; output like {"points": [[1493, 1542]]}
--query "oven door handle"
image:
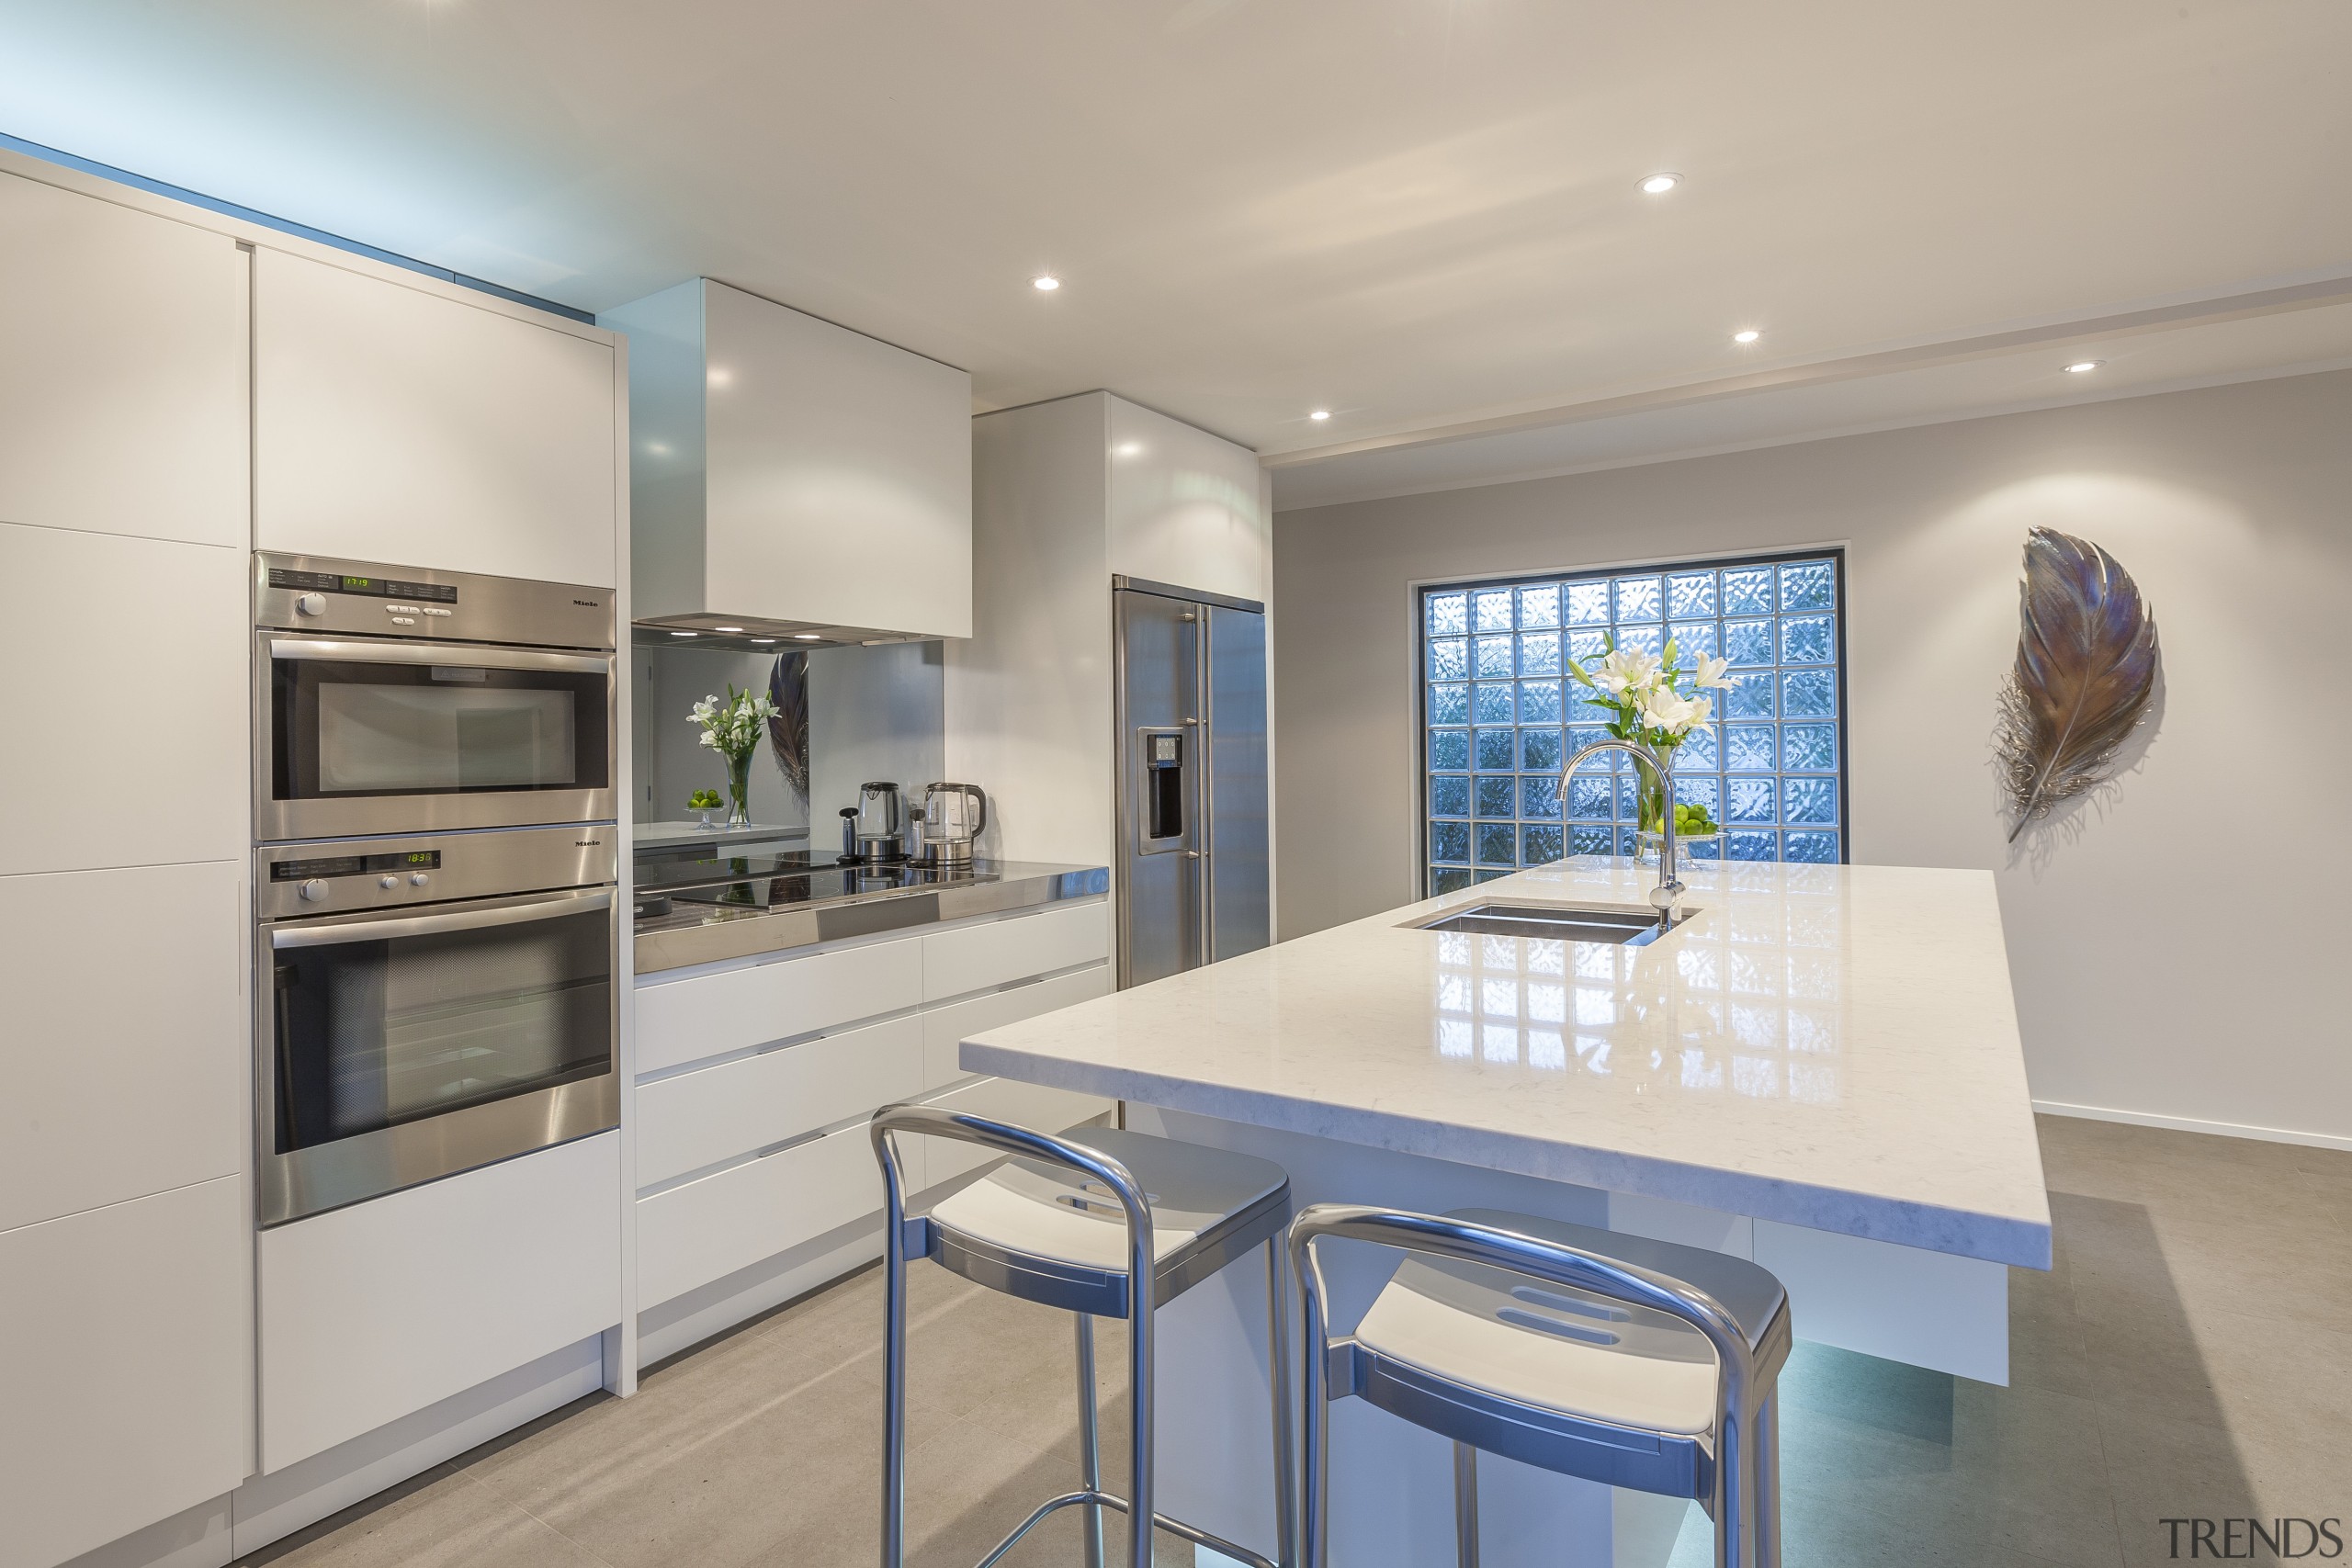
{"points": [[337, 929], [457, 655]]}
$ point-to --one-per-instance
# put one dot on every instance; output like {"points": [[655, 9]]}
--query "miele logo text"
{"points": [[587, 843], [2242, 1538], [588, 603]]}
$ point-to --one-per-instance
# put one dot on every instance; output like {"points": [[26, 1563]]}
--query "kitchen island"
{"points": [[1819, 1068]]}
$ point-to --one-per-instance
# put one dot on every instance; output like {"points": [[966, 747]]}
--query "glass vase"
{"points": [[739, 791]]}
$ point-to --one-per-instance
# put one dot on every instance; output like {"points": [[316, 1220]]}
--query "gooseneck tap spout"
{"points": [[1669, 891]]}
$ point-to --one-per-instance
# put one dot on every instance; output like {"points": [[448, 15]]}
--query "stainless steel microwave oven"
{"points": [[402, 700]]}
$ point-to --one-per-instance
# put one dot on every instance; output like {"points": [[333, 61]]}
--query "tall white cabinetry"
{"points": [[398, 425], [124, 1241], [1066, 495]]}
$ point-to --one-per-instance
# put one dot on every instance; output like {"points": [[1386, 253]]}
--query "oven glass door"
{"points": [[408, 1046], [402, 737]]}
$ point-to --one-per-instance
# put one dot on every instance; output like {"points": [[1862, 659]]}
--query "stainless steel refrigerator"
{"points": [[1190, 670]]}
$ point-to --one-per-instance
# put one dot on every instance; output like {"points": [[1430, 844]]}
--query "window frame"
{"points": [[1418, 597]]}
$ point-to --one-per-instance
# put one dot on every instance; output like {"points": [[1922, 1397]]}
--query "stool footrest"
{"points": [[1178, 1527]]}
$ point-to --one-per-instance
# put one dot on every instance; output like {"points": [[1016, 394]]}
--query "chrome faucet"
{"points": [[1669, 891]]}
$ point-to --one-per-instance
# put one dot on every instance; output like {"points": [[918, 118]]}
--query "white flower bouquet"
{"points": [[1658, 703], [732, 728]]}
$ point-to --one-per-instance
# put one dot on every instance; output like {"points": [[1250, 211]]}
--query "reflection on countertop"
{"points": [[692, 907]]}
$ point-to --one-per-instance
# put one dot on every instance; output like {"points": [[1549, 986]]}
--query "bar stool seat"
{"points": [[1049, 1234], [1482, 1338]]}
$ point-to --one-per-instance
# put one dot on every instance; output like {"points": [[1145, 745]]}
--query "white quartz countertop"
{"points": [[1828, 1046]]}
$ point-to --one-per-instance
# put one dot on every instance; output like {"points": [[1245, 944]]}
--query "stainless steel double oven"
{"points": [[436, 878]]}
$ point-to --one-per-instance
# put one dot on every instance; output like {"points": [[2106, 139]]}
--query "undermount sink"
{"points": [[1624, 925]]}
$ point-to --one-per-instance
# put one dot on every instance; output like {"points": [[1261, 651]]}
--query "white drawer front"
{"points": [[946, 1029], [702, 1118], [705, 1230], [980, 958], [380, 1309], [1003, 1100], [711, 1015]]}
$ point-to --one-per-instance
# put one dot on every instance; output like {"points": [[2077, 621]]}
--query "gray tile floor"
{"points": [[2190, 1356]]}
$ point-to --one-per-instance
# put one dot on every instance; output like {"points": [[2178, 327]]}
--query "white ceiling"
{"points": [[1418, 213]]}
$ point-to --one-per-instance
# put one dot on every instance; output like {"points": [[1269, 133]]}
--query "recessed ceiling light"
{"points": [[807, 636], [1127, 449], [1745, 335], [1045, 284], [727, 628], [2084, 367], [764, 639], [685, 634], [1320, 413], [1660, 182], [719, 376]]}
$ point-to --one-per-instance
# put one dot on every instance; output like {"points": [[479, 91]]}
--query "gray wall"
{"points": [[2173, 940]]}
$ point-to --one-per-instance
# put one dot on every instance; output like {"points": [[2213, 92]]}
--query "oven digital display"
{"points": [[354, 866], [366, 587]]}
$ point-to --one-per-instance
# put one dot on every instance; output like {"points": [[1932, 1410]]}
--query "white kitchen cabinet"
{"points": [[400, 423], [1185, 506], [380, 1309], [712, 1014], [125, 1055], [789, 474], [944, 1029], [122, 372], [983, 957], [706, 1229], [129, 1375], [874, 1022], [699, 1118], [123, 748]]}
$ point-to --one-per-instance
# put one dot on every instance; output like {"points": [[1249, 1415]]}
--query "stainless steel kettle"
{"points": [[953, 816]]}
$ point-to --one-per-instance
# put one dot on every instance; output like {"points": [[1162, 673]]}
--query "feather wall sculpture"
{"points": [[2086, 667], [788, 729]]}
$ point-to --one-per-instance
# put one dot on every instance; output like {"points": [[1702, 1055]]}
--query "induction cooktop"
{"points": [[773, 881]]}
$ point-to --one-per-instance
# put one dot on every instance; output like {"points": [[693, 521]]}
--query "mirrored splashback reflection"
{"points": [[1748, 991]]}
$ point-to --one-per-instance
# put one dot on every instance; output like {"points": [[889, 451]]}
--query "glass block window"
{"points": [[1499, 718]]}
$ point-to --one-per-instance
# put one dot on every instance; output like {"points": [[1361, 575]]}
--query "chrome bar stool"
{"points": [[1102, 1223], [1634, 1362]]}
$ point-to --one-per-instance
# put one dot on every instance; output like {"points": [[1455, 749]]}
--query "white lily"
{"points": [[1626, 670], [1667, 709], [1708, 672]]}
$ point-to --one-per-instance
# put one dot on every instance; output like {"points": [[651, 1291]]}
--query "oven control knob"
{"points": [[310, 604], [312, 890], [388, 883], [417, 879]]}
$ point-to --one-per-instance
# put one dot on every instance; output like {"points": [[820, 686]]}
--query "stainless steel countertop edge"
{"points": [[1007, 886]]}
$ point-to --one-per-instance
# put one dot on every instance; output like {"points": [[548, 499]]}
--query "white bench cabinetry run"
{"points": [[755, 1180]]}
